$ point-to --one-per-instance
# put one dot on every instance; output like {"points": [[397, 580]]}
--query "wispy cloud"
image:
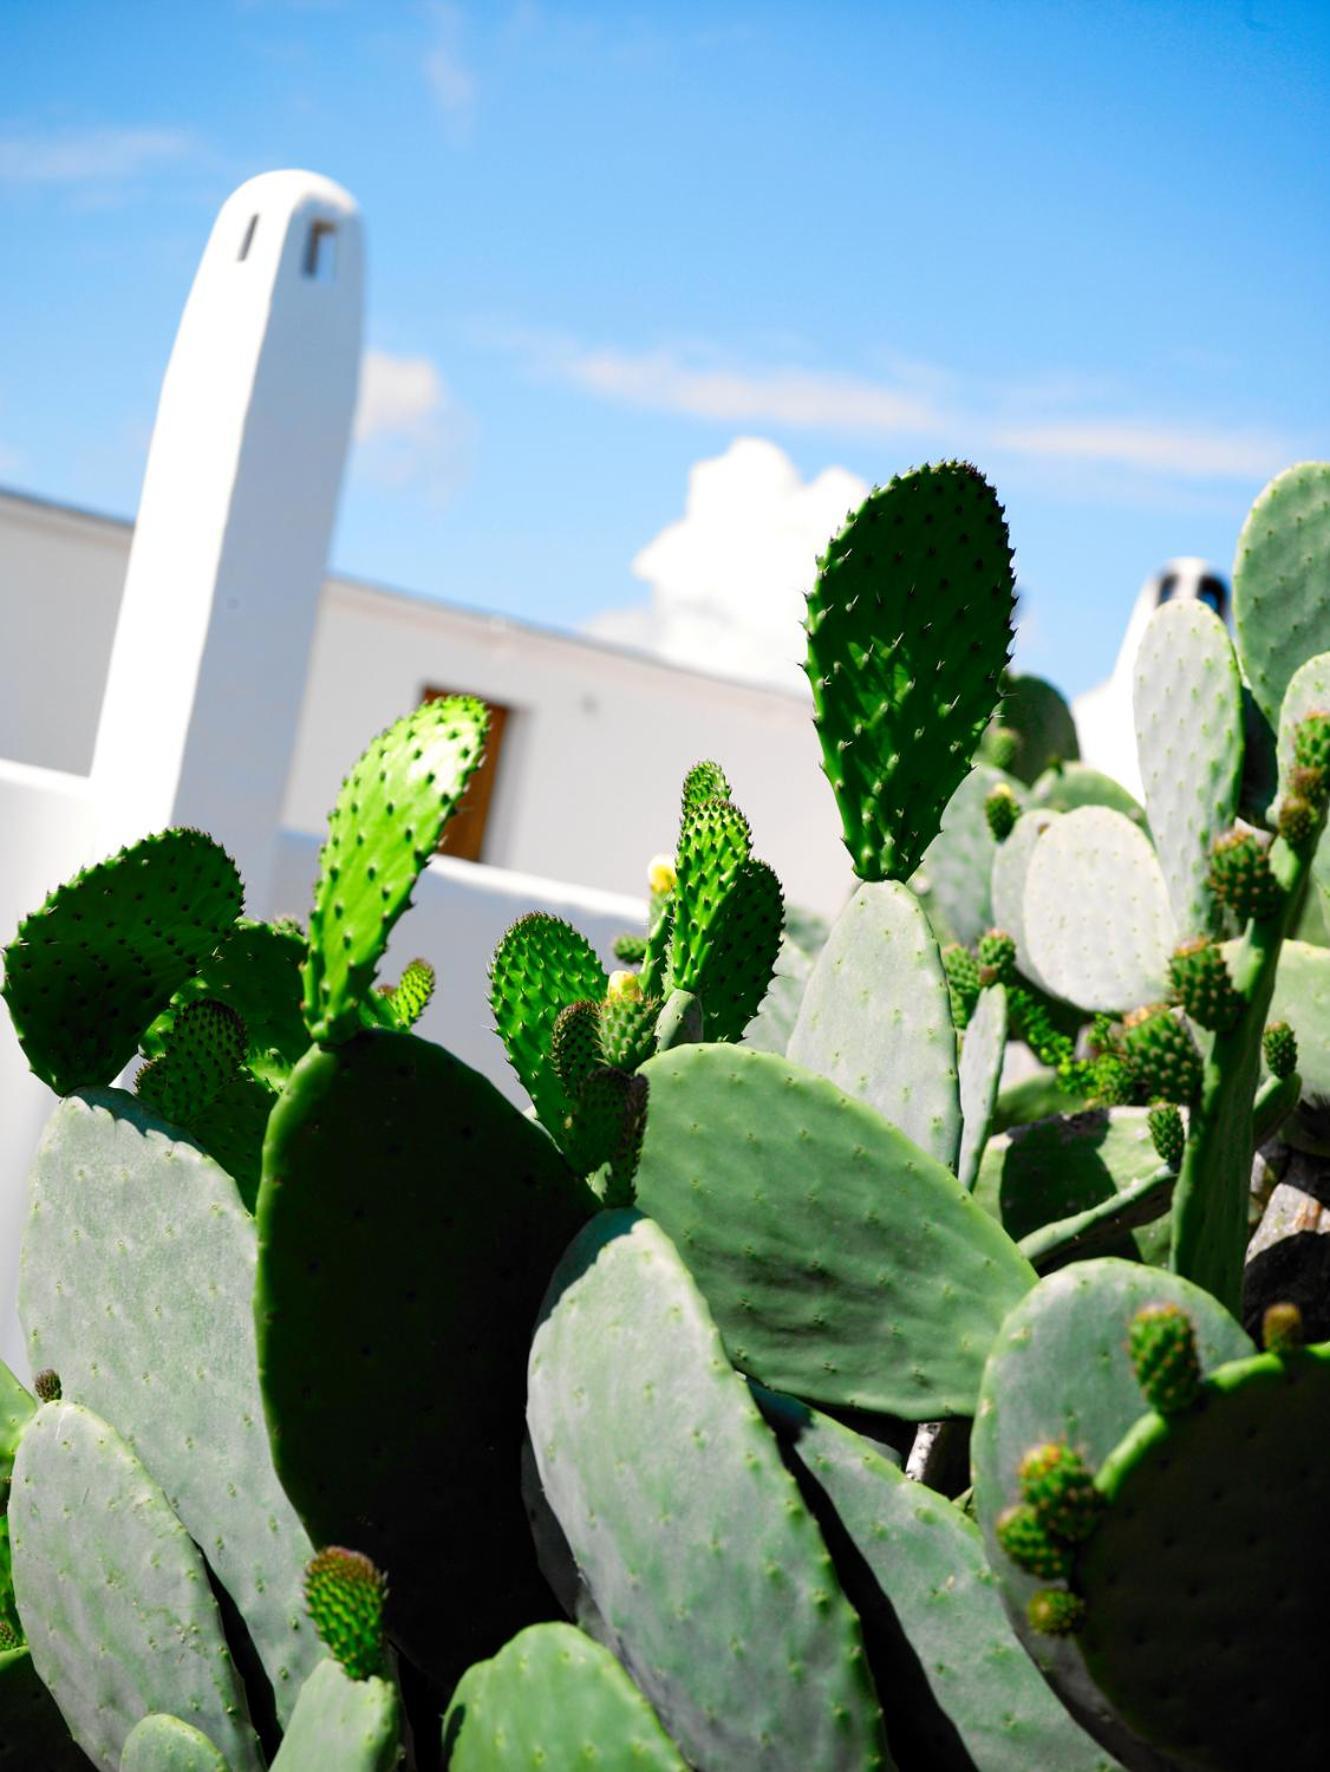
{"points": [[89, 156], [926, 403], [447, 74], [408, 426]]}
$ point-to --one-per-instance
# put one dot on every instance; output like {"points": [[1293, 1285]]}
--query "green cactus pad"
{"points": [[232, 1128], [1189, 738], [202, 1054], [1302, 1001], [1052, 1169], [954, 878], [344, 1595], [1168, 1134], [741, 958], [1042, 725], [1280, 614], [1011, 864], [115, 1599], [255, 972], [390, 1169], [1241, 875], [685, 1513], [575, 1049], [33, 1736], [876, 1018], [842, 1264], [153, 1328], [1068, 788], [1061, 1371], [383, 830], [919, 576], [957, 1690], [680, 1022], [1242, 1575], [554, 1698], [1308, 692], [1098, 945], [87, 974], [1200, 978], [631, 949], [342, 1725], [605, 1128], [714, 843], [982, 1053], [165, 1744], [626, 1032], [409, 998], [540, 967], [963, 982], [704, 781]]}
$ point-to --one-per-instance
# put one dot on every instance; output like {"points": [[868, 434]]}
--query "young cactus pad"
{"points": [[1280, 613], [540, 967], [920, 577], [553, 1697], [166, 1744], [344, 1594], [112, 1650], [687, 1512], [390, 1169], [343, 1725], [89, 971], [383, 830], [821, 1236]]}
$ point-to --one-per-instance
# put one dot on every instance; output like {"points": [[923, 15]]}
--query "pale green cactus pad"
{"points": [[383, 830], [1060, 1371], [153, 1327], [165, 1744], [1097, 918], [982, 1051], [1308, 693], [1011, 864], [1036, 1174], [876, 1018], [1205, 1582], [1281, 615], [1302, 999], [1074, 785], [1041, 725], [842, 1264], [1189, 739], [958, 1691], [115, 1598], [955, 875], [554, 1698], [342, 1725], [686, 1512], [33, 1736]]}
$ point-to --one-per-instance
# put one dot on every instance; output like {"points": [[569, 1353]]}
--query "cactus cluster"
{"points": [[840, 1365]]}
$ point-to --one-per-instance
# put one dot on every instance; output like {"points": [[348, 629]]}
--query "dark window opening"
{"points": [[1215, 592], [321, 251], [464, 834], [1167, 585]]}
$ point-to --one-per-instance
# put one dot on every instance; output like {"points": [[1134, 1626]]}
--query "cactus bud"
{"points": [[575, 1044], [47, 1385], [1162, 1345], [1199, 974], [1241, 876], [1029, 1545], [1167, 1134], [1310, 784], [1001, 745], [1054, 1612], [345, 1595], [997, 957], [1001, 809], [628, 1030], [631, 949], [1298, 821], [1162, 1054], [963, 981], [1280, 1045], [1311, 741], [661, 876], [1281, 1329], [9, 1637], [1058, 1485], [626, 986]]}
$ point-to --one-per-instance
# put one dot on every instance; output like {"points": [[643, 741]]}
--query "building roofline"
{"points": [[428, 600]]}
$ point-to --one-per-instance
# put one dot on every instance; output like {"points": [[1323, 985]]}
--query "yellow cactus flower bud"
{"points": [[660, 873], [627, 986]]}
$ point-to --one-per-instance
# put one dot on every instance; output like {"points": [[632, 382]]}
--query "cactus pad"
{"points": [[256, 973], [87, 973], [553, 1697], [820, 1235], [954, 878], [920, 575], [115, 1599], [342, 1725], [714, 843], [1240, 1575], [202, 1054], [876, 1018], [1280, 614], [383, 830], [165, 1744], [982, 1053], [1011, 864], [153, 1328], [704, 781], [575, 1049], [741, 957], [389, 1168], [687, 1513], [1189, 738], [627, 1032], [540, 967], [344, 1595], [1097, 946]]}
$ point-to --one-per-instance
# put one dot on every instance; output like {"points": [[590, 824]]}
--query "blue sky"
{"points": [[1087, 245]]}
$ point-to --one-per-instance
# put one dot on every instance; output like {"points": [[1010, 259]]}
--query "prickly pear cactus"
{"points": [[1279, 576], [165, 1744]]}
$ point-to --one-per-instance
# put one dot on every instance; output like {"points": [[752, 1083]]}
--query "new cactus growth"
{"points": [[1162, 1054], [1281, 1329], [1280, 1046], [1168, 1134], [1162, 1342], [46, 1385], [997, 958], [1059, 1486], [1054, 1612], [345, 1595], [1001, 809], [1028, 1541], [1241, 876], [1202, 985]]}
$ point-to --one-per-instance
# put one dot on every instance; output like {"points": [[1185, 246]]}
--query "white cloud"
{"points": [[927, 404], [728, 580], [90, 156], [399, 397], [446, 72]]}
